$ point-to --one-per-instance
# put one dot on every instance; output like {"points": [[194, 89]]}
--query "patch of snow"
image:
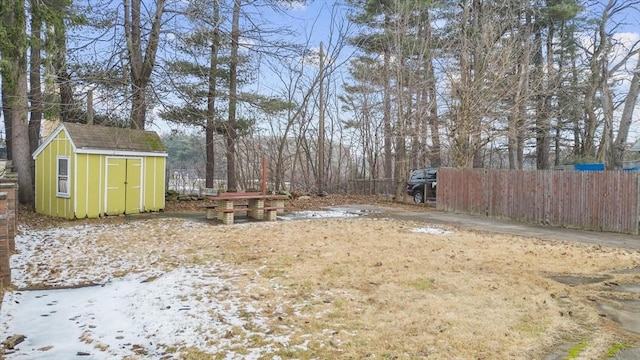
{"points": [[187, 307], [39, 250], [150, 312], [318, 215], [72, 256], [430, 230], [34, 248]]}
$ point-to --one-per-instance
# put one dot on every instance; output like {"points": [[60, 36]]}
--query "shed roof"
{"points": [[96, 139], [112, 138]]}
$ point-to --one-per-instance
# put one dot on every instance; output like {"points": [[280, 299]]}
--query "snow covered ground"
{"points": [[318, 215], [431, 230], [149, 313], [129, 316], [127, 307]]}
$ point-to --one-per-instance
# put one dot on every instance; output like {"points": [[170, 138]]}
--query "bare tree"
{"points": [[141, 66], [600, 96], [299, 76], [361, 100], [619, 145]]}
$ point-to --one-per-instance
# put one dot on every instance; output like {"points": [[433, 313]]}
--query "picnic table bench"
{"points": [[255, 205]]}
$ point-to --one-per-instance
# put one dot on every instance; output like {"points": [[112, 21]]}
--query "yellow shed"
{"points": [[90, 171]]}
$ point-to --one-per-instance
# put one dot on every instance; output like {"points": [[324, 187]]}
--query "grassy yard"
{"points": [[364, 288]]}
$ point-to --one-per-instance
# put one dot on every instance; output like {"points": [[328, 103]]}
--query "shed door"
{"points": [[124, 186], [133, 192]]}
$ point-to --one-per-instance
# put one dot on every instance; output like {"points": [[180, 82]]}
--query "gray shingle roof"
{"points": [[114, 139]]}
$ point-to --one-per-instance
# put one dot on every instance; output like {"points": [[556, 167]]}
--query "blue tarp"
{"points": [[589, 167]]}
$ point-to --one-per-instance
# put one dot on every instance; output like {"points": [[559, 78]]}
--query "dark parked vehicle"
{"points": [[422, 184]]}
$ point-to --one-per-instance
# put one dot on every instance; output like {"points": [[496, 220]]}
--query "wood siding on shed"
{"points": [[46, 182], [603, 201], [89, 172], [154, 180]]}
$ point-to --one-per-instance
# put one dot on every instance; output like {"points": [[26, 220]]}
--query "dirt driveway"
{"points": [[508, 227]]}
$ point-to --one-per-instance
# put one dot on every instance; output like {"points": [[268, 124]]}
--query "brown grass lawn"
{"points": [[363, 288]]}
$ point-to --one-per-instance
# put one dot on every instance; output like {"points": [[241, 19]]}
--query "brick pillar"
{"points": [[272, 215], [256, 208], [5, 269], [227, 218], [279, 203], [11, 188], [224, 205]]}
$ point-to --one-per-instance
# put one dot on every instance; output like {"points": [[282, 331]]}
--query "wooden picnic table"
{"points": [[256, 205]]}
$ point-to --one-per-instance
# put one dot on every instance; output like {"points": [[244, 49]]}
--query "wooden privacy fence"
{"points": [[603, 201]]}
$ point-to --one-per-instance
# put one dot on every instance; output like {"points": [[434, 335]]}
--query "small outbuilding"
{"points": [[90, 171]]}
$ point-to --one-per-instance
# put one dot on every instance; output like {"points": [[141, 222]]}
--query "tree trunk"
{"points": [[402, 102], [466, 127], [35, 91], [68, 111], [417, 131], [604, 150], [543, 99], [460, 129], [8, 116], [139, 106], [516, 119], [321, 173], [588, 146], [626, 118], [14, 81], [595, 67], [22, 160], [561, 116], [211, 98], [141, 67], [233, 97], [434, 155], [578, 139], [386, 118], [478, 67]]}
